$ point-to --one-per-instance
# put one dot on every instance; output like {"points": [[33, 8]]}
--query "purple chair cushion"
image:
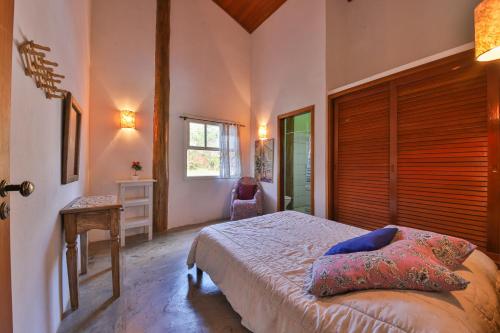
{"points": [[246, 191], [244, 209]]}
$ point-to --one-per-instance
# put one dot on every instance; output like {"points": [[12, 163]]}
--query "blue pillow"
{"points": [[370, 242]]}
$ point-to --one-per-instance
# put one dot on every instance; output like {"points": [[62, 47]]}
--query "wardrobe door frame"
{"points": [[281, 168], [493, 99], [331, 118]]}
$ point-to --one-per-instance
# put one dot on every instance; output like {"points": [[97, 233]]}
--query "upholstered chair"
{"points": [[246, 199]]}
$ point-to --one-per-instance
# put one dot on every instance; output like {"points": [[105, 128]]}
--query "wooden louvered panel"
{"points": [[363, 159], [442, 137], [431, 147]]}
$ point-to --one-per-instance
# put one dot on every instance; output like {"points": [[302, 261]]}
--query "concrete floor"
{"points": [[159, 293]]}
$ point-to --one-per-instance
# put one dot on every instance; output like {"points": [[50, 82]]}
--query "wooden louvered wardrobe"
{"points": [[420, 149]]}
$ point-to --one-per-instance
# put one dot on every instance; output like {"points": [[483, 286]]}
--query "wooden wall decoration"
{"points": [[250, 14], [38, 67], [161, 116], [420, 149]]}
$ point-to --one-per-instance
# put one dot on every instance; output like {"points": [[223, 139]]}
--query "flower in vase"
{"points": [[136, 166]]}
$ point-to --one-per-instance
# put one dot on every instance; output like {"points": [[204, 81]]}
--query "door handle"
{"points": [[4, 211], [25, 188]]}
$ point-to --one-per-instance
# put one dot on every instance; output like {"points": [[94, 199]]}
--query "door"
{"points": [[296, 161], [6, 21], [362, 158], [443, 152]]}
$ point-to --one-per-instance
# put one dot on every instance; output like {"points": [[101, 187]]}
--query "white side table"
{"points": [[128, 200]]}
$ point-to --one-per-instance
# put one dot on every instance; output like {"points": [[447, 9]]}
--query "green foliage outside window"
{"points": [[204, 161]]}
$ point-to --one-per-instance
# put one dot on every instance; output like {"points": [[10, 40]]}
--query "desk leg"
{"points": [[84, 249], [71, 258], [115, 252]]}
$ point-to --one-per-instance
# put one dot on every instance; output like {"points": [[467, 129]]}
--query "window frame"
{"points": [[187, 146]]}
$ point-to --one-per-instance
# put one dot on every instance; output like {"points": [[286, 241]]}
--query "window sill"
{"points": [[195, 178]]}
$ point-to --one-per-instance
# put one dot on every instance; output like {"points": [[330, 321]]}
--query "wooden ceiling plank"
{"points": [[250, 14]]}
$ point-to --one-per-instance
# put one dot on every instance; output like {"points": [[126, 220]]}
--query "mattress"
{"points": [[260, 264]]}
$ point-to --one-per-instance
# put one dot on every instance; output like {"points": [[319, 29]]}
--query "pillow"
{"points": [[246, 191], [371, 241], [401, 265], [450, 251]]}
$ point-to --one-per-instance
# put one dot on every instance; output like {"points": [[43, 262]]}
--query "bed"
{"points": [[260, 264]]}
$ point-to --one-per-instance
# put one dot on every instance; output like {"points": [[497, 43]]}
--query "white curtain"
{"points": [[230, 151]]}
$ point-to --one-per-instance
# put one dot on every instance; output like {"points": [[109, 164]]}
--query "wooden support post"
{"points": [[161, 115]]}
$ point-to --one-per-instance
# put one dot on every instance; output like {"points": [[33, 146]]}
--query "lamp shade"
{"points": [[262, 132], [487, 30], [127, 119]]}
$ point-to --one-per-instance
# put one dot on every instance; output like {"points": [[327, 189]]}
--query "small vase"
{"points": [[135, 177]]}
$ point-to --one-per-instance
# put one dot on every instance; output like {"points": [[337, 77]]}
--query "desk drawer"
{"points": [[93, 220]]}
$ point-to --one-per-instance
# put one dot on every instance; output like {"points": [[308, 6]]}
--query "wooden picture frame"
{"points": [[71, 132]]}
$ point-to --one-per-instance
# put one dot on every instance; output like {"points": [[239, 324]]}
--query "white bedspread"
{"points": [[260, 265]]}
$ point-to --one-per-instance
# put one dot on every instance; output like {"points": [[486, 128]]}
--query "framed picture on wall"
{"points": [[264, 160], [72, 122]]}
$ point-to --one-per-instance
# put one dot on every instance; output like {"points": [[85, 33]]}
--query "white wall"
{"points": [[289, 73], [366, 37], [217, 70], [308, 46], [209, 76], [39, 280], [121, 77]]}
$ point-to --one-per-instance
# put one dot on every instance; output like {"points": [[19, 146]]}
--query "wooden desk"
{"points": [[80, 216]]}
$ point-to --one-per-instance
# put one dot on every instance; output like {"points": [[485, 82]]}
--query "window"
{"points": [[212, 150], [203, 151]]}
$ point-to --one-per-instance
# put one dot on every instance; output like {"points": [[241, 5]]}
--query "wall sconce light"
{"points": [[127, 119], [487, 30], [262, 132]]}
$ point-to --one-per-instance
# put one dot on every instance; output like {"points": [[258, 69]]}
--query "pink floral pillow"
{"points": [[450, 251], [401, 265]]}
